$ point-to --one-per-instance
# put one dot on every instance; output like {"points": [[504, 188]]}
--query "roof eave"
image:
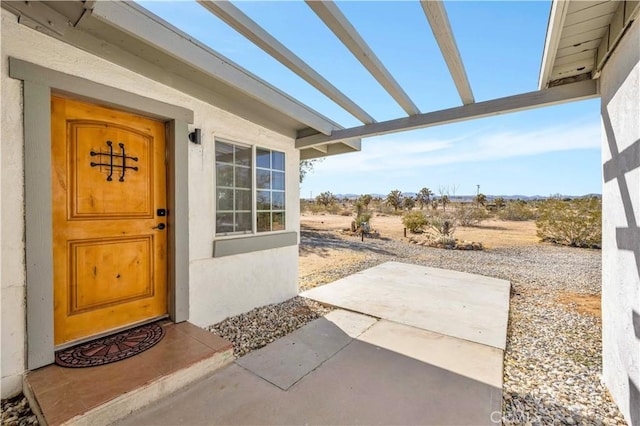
{"points": [[557, 16], [131, 36]]}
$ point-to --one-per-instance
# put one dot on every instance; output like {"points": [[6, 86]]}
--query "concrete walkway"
{"points": [[348, 368], [467, 306]]}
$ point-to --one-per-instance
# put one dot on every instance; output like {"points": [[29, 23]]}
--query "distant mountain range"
{"points": [[471, 197]]}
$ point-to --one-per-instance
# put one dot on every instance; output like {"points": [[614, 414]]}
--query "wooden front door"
{"points": [[109, 236]]}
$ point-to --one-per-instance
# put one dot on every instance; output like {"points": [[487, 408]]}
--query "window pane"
{"points": [[243, 177], [224, 152], [224, 222], [277, 200], [224, 199], [243, 199], [278, 180], [278, 222], [243, 222], [224, 175], [243, 156], [263, 200], [277, 160], [264, 222], [263, 158], [263, 179]]}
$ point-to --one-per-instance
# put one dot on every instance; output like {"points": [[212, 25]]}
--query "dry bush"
{"points": [[470, 215], [517, 211], [415, 221], [576, 223], [333, 209]]}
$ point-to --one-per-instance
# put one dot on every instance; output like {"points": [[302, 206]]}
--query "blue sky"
{"points": [[537, 152]]}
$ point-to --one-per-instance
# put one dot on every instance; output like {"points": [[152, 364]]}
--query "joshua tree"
{"points": [[394, 199], [499, 202], [481, 199], [326, 199], [408, 203], [366, 200], [444, 200], [423, 197]]}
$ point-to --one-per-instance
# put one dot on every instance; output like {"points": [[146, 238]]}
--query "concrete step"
{"points": [[105, 394]]}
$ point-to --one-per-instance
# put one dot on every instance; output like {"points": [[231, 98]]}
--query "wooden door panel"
{"points": [[109, 261], [108, 272], [91, 143]]}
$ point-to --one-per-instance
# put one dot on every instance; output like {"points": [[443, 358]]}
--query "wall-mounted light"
{"points": [[196, 136]]}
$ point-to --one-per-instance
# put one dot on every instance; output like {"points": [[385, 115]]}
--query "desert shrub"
{"points": [[470, 215], [576, 223], [415, 221], [345, 212], [385, 209], [517, 211], [333, 208], [315, 208]]}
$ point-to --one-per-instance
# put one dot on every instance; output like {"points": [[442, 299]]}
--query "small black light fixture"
{"points": [[196, 136]]}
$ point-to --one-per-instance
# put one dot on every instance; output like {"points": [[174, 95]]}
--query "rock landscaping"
{"points": [[16, 412], [261, 326], [453, 245]]}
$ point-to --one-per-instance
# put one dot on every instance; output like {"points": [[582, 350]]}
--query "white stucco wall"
{"points": [[620, 87], [218, 287], [12, 272]]}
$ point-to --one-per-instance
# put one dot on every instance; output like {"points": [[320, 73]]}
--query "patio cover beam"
{"points": [[439, 22], [237, 20], [556, 95], [333, 18]]}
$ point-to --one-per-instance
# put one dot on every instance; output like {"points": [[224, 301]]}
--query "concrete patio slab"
{"points": [[467, 306], [362, 383], [292, 357], [473, 360]]}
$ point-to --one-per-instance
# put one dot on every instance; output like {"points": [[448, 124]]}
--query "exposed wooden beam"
{"points": [[194, 66], [439, 22], [555, 95], [557, 16], [333, 18], [237, 20]]}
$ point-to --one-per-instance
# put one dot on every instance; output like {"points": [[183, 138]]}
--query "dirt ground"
{"points": [[491, 233]]}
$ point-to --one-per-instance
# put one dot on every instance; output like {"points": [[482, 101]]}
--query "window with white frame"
{"points": [[234, 197], [240, 168], [270, 195]]}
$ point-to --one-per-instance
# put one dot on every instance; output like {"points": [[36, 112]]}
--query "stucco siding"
{"points": [[217, 287], [620, 87]]}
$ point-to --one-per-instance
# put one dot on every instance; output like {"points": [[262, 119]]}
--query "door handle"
{"points": [[160, 226]]}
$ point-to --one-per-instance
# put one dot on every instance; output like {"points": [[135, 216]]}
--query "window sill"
{"points": [[250, 243]]}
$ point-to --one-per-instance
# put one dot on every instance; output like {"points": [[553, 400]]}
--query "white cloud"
{"points": [[394, 152]]}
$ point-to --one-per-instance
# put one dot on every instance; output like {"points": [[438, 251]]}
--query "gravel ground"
{"points": [[261, 326], [16, 412], [553, 356]]}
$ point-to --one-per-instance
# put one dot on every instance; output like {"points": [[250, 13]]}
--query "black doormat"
{"points": [[111, 348]]}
